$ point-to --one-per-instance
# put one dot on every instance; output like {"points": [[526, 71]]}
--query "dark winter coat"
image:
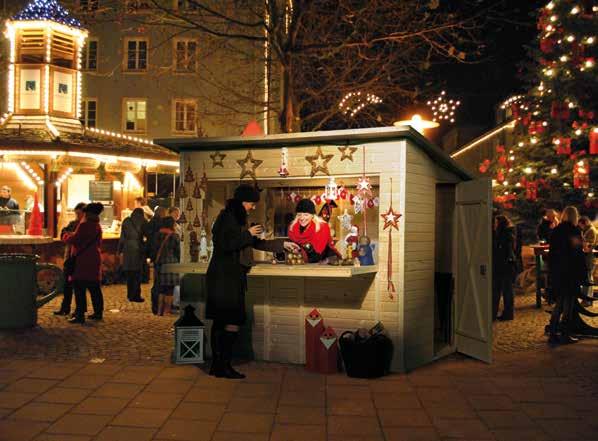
{"points": [[70, 228], [230, 263], [151, 230], [503, 252], [131, 244], [566, 260], [544, 230], [170, 253], [89, 259]]}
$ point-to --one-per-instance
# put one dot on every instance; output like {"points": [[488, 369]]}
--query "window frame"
{"points": [[85, 55], [85, 112], [125, 110], [185, 101], [175, 55], [126, 55]]}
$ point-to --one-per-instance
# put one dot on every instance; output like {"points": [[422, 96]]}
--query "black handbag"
{"points": [[366, 357], [68, 267]]}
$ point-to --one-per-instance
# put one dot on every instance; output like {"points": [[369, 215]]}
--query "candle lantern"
{"points": [[331, 191], [188, 338]]}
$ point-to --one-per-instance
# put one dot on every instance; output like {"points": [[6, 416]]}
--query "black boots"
{"points": [[222, 353]]}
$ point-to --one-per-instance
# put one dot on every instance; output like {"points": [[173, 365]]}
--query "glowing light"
{"points": [[511, 100], [23, 176], [571, 38], [553, 18], [563, 58], [512, 158], [574, 10], [578, 132], [533, 140], [550, 6], [589, 63], [591, 195], [528, 170], [508, 125], [417, 123], [505, 183], [131, 182], [443, 109], [521, 144], [548, 72], [590, 40], [47, 10], [354, 102], [553, 171]]}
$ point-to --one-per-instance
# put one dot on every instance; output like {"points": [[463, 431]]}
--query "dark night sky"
{"points": [[482, 87]]}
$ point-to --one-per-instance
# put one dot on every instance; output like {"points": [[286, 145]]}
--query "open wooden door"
{"points": [[473, 272]]}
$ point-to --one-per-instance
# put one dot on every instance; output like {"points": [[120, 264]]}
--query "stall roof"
{"points": [[333, 137]]}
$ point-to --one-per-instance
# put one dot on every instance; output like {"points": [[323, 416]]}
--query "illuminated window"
{"points": [[89, 112], [135, 115], [89, 58], [185, 56], [136, 55], [185, 116]]}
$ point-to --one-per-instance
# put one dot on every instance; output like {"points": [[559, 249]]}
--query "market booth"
{"points": [[427, 222]]}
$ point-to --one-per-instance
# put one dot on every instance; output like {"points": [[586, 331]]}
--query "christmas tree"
{"points": [[551, 162]]}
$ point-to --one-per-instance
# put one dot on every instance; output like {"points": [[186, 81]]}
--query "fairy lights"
{"points": [[511, 100], [47, 10], [32, 173], [354, 102], [119, 136], [443, 109], [63, 177]]}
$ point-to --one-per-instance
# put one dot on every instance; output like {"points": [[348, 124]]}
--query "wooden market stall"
{"points": [[443, 233]]}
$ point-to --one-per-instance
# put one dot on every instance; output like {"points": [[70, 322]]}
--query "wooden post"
{"points": [[50, 200], [144, 177]]}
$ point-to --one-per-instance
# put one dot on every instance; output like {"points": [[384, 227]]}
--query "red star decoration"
{"points": [[391, 219]]}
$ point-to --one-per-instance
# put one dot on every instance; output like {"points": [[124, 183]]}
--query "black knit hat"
{"points": [[306, 206], [94, 208], [247, 193]]}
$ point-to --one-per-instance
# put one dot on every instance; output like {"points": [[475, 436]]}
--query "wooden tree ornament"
{"points": [[217, 159], [249, 165], [347, 153], [391, 220], [319, 162]]}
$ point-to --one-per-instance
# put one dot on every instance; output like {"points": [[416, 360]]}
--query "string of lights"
{"points": [[443, 109], [354, 102]]}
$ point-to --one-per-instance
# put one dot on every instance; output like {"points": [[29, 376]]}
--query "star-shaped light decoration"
{"points": [[345, 219], [347, 153], [217, 159], [364, 186], [248, 165], [319, 162], [391, 219]]}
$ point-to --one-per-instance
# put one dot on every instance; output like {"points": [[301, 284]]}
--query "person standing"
{"points": [[142, 203], [503, 267], [169, 251], [9, 211], [566, 264], [152, 229], [175, 213], [548, 223], [590, 238], [67, 298], [226, 278], [86, 242], [132, 248]]}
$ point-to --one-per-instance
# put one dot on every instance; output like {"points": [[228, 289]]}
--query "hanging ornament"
{"points": [[283, 170], [581, 174], [483, 168], [343, 193], [203, 246], [182, 219], [291, 196], [193, 246], [249, 165], [319, 162], [352, 199], [182, 192], [391, 219], [358, 202], [364, 187], [331, 190], [559, 110], [203, 182], [347, 153], [535, 127], [547, 45], [563, 146], [318, 200], [370, 203], [189, 206], [346, 220], [196, 222], [297, 198], [189, 177], [190, 226], [326, 210], [196, 191], [594, 141], [217, 159]]}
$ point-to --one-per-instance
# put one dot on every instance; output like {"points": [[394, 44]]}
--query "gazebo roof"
{"points": [[47, 10]]}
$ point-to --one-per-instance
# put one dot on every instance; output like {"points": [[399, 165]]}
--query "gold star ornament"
{"points": [[391, 219], [347, 153], [248, 165], [319, 162], [217, 159]]}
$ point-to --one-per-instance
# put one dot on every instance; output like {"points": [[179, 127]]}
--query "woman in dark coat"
{"points": [[168, 251], [85, 243], [132, 248], [567, 268], [503, 266], [231, 260]]}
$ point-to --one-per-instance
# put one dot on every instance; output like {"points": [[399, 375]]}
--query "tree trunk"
{"points": [[288, 120]]}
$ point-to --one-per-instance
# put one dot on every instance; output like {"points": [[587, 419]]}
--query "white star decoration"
{"points": [[345, 220], [364, 187], [391, 219]]}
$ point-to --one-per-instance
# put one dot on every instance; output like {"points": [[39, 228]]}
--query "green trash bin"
{"points": [[20, 295]]}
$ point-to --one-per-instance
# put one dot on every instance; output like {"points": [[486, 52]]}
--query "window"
{"points": [[185, 116], [136, 55], [32, 45], [185, 56], [136, 6], [135, 115], [89, 56], [88, 5], [89, 112]]}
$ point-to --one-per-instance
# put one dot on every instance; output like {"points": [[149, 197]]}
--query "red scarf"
{"points": [[318, 239]]}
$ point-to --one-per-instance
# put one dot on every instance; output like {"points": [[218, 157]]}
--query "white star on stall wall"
{"points": [[364, 187], [391, 219], [345, 220]]}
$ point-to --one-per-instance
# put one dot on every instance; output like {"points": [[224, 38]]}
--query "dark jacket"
{"points": [[131, 244], [151, 230], [70, 228], [503, 252], [88, 261], [231, 261], [544, 231], [566, 260], [170, 253]]}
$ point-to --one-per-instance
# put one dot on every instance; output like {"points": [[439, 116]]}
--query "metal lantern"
{"points": [[331, 191], [188, 338]]}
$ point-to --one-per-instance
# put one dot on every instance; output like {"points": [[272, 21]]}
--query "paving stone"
{"points": [[115, 433], [199, 411], [64, 395], [399, 386], [520, 434], [85, 381], [5, 412], [567, 429], [463, 428], [411, 434], [134, 417], [505, 419], [16, 430], [134, 376], [101, 406], [72, 424], [30, 385], [156, 400], [14, 400], [55, 372], [253, 390], [246, 422], [115, 390], [47, 412], [186, 430], [289, 432], [491, 402], [231, 436], [403, 418], [549, 410], [352, 425], [252, 404], [300, 415], [303, 398], [208, 382], [180, 373], [353, 406], [100, 369], [61, 437], [197, 394]]}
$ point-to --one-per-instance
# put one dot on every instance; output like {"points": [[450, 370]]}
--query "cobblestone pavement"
{"points": [[52, 389]]}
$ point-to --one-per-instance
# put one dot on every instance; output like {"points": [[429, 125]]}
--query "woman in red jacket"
{"points": [[85, 243], [312, 234]]}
